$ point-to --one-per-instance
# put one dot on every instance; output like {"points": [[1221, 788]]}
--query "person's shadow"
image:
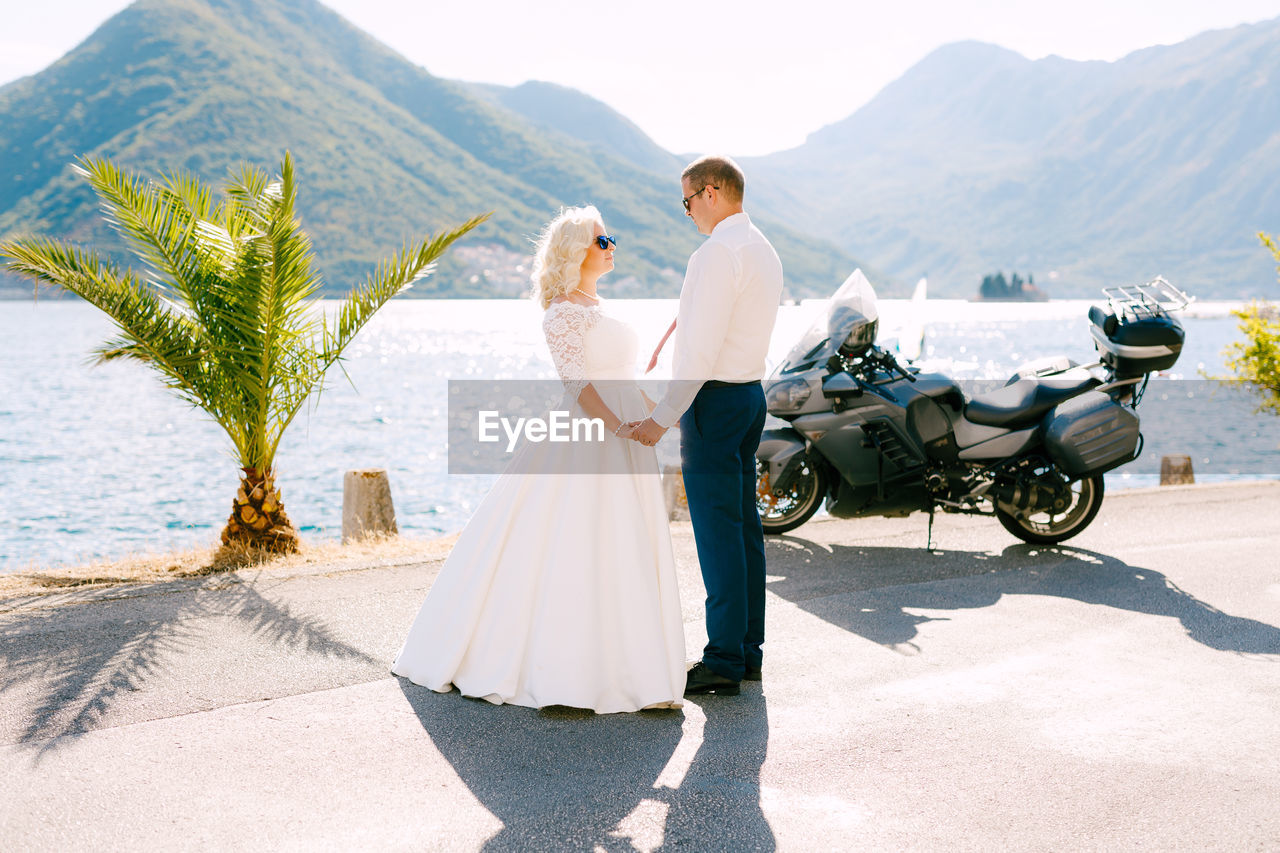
{"points": [[717, 805], [890, 582], [567, 779]]}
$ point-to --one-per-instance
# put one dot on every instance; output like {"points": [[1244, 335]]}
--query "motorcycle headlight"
{"points": [[787, 396]]}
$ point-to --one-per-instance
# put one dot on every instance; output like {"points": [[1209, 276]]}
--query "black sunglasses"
{"points": [[604, 240], [685, 200]]}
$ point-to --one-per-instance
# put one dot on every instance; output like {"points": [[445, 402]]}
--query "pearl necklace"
{"points": [[590, 296]]}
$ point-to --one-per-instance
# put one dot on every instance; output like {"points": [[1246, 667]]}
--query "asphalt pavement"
{"points": [[1120, 691]]}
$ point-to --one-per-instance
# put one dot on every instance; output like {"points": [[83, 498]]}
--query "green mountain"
{"points": [[384, 149], [1082, 173], [569, 115]]}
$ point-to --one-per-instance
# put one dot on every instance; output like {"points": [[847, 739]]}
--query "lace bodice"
{"points": [[586, 344]]}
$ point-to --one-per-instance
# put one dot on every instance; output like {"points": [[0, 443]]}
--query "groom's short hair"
{"points": [[719, 172]]}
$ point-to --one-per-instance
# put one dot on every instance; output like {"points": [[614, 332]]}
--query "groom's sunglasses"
{"points": [[604, 240], [685, 201]]}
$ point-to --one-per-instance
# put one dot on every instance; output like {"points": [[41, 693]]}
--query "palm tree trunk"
{"points": [[257, 517]]}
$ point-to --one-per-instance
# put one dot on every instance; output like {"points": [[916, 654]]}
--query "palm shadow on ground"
{"points": [[566, 779], [890, 582], [68, 676]]}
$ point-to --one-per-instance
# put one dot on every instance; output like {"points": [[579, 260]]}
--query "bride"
{"points": [[562, 588]]}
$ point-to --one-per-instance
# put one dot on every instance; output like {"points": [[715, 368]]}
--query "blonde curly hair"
{"points": [[561, 249]]}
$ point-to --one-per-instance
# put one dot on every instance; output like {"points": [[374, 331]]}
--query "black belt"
{"points": [[716, 383]]}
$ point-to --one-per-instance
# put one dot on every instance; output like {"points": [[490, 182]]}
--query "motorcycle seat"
{"points": [[1024, 402]]}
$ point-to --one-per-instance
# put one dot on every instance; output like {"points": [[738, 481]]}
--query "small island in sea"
{"points": [[996, 288]]}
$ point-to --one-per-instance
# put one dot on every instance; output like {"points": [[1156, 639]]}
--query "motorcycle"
{"points": [[869, 436]]}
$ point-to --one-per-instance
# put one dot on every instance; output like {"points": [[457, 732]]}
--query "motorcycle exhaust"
{"points": [[1030, 496]]}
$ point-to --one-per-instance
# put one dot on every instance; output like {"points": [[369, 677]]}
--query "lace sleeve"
{"points": [[565, 325]]}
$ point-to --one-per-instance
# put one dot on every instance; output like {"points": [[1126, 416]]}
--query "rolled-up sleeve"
{"points": [[706, 307]]}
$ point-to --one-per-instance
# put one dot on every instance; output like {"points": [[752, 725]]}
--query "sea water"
{"points": [[103, 461]]}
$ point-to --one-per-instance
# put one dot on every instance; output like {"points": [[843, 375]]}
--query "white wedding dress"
{"points": [[562, 588]]}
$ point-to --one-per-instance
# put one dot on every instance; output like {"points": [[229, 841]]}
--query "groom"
{"points": [[727, 309]]}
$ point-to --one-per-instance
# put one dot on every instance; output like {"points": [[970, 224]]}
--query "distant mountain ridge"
{"points": [[384, 149], [578, 116], [977, 159]]}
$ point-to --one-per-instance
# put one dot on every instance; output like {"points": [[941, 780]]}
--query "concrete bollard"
{"points": [[1176, 471], [673, 491], [366, 504]]}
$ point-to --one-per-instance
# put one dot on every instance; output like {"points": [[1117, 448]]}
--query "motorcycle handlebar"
{"points": [[887, 359], [875, 358]]}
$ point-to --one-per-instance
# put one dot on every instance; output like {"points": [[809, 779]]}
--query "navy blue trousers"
{"points": [[719, 436]]}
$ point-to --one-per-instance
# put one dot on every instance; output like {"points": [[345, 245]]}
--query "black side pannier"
{"points": [[1090, 434], [1134, 346]]}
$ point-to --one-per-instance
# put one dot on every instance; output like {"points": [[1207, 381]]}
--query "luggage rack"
{"points": [[1155, 298]]}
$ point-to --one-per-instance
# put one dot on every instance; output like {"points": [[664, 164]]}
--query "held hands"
{"points": [[647, 432]]}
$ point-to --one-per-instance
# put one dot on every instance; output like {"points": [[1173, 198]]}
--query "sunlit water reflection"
{"points": [[103, 461]]}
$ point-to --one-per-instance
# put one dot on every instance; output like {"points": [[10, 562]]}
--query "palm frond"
{"points": [[245, 190], [391, 278], [156, 225], [170, 228], [152, 332]]}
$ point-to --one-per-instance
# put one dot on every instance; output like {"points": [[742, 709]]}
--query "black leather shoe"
{"points": [[753, 673], [702, 679]]}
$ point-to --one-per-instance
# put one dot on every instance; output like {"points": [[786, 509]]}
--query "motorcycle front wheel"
{"points": [[781, 511], [1048, 528]]}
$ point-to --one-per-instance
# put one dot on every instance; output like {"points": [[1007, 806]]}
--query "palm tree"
{"points": [[226, 310]]}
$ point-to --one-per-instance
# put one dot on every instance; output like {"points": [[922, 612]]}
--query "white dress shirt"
{"points": [[728, 305]]}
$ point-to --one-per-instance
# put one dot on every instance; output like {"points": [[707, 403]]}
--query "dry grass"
{"points": [[200, 562]]}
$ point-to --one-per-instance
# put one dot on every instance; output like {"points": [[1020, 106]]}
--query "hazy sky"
{"points": [[742, 77]]}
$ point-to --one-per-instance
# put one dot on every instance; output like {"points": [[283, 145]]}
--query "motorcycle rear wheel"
{"points": [[795, 506], [1046, 528]]}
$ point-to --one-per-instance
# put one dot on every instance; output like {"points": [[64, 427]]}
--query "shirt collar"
{"points": [[732, 221]]}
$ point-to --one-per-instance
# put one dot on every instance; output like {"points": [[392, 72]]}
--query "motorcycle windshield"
{"points": [[854, 301]]}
